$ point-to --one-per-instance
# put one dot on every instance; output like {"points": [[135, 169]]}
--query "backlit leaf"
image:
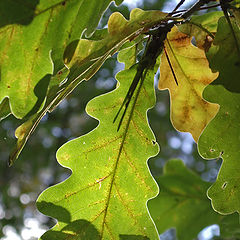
{"points": [[189, 111], [110, 182], [221, 136], [33, 37], [83, 58]]}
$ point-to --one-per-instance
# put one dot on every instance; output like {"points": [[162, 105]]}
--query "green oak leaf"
{"points": [[33, 37], [221, 136], [110, 182], [83, 58], [24, 131], [182, 202], [128, 55]]}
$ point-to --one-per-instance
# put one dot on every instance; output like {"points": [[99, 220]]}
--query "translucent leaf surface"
{"points": [[24, 131], [128, 55], [221, 137], [203, 28], [182, 202], [120, 30], [83, 58], [189, 111], [33, 37], [110, 184]]}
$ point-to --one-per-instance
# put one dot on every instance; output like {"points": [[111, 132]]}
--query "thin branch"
{"points": [[177, 13], [178, 6], [195, 8]]}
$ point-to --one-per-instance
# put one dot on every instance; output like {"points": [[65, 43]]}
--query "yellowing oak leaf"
{"points": [[189, 111]]}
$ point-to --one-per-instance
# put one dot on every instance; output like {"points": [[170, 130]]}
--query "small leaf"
{"points": [[182, 202], [110, 182], [221, 136], [189, 111], [120, 31], [128, 55]]}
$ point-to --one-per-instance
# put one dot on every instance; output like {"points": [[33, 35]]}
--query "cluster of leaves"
{"points": [[41, 65]]}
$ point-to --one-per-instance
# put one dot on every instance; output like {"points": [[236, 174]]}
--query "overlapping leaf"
{"points": [[33, 39], [221, 137], [128, 55], [110, 184], [182, 203], [189, 111], [203, 28], [83, 58], [229, 227]]}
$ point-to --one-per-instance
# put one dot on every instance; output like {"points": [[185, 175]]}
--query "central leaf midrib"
{"points": [[120, 152]]}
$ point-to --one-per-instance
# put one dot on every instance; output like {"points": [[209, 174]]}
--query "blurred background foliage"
{"points": [[37, 168]]}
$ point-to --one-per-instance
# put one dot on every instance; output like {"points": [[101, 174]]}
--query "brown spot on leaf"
{"points": [[186, 112], [181, 40]]}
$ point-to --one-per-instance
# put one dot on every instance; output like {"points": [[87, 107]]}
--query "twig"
{"points": [[195, 8]]}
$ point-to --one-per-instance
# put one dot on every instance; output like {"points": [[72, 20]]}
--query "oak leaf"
{"points": [[189, 111]]}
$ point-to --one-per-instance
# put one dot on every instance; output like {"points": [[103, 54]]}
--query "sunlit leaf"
{"points": [[189, 111], [221, 136], [120, 30], [32, 43], [110, 182], [24, 131], [128, 55], [84, 57]]}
